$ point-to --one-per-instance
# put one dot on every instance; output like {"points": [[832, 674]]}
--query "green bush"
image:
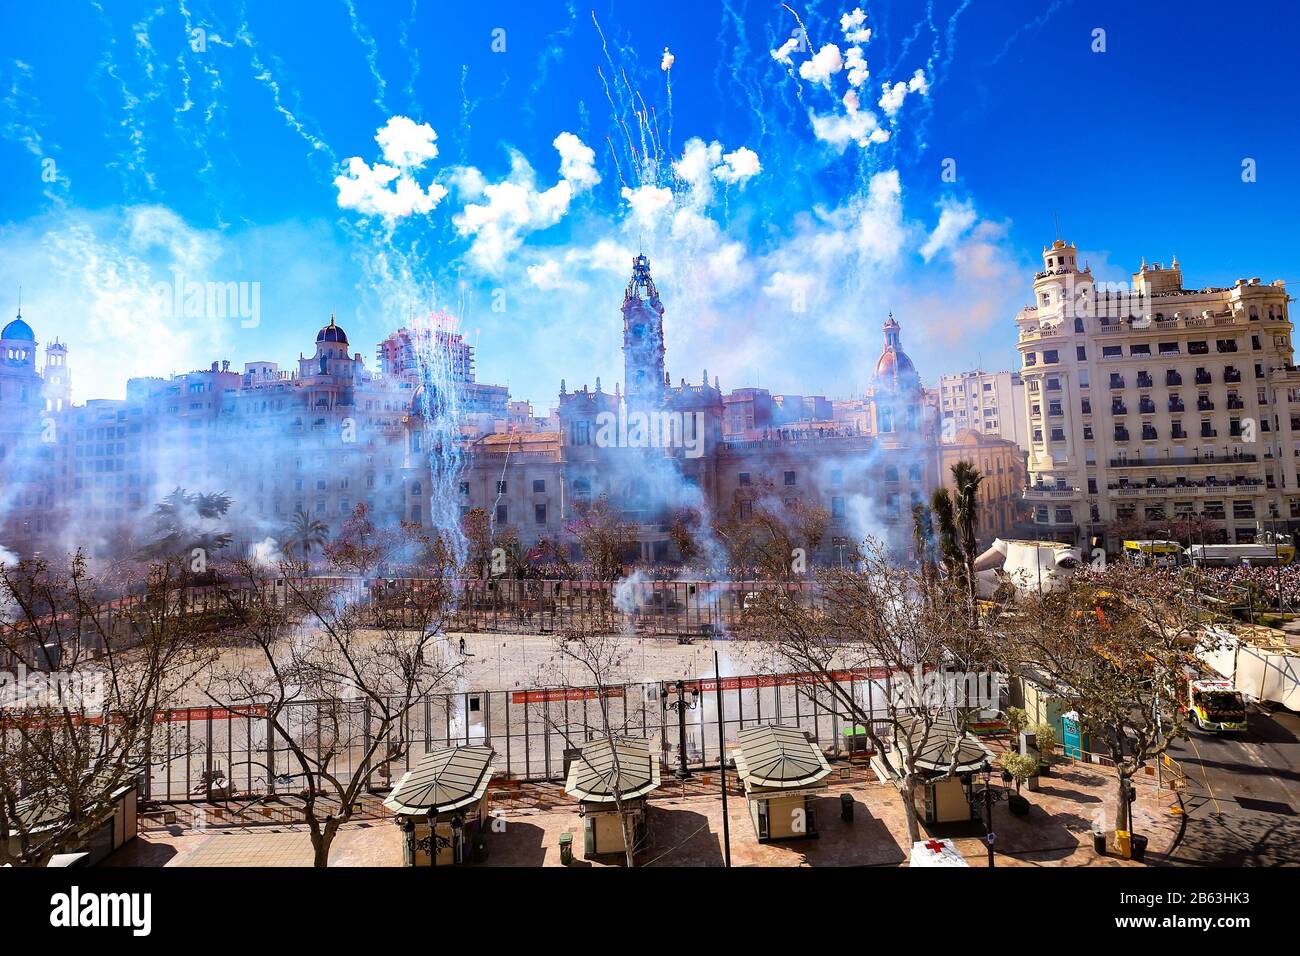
{"points": [[1045, 735], [1017, 719], [1020, 766]]}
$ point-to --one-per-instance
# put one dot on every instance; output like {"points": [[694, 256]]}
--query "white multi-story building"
{"points": [[989, 403], [1151, 404]]}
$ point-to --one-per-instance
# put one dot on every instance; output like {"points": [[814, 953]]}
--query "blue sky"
{"points": [[788, 195]]}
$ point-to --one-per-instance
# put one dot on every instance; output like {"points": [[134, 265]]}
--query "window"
{"points": [[743, 479], [837, 507], [837, 477], [539, 486], [1112, 351], [790, 478], [1058, 434], [539, 514], [416, 489], [1050, 357], [501, 487], [503, 514], [1168, 348], [891, 473], [464, 487], [1141, 349], [1081, 353], [1064, 515]]}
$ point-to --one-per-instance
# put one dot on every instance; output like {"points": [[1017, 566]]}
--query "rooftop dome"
{"points": [[18, 330], [894, 369], [332, 333]]}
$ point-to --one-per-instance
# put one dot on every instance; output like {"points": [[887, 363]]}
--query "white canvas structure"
{"points": [[936, 853], [1263, 670], [1030, 565]]}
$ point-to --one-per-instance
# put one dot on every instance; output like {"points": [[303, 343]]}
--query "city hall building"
{"points": [[332, 433]]}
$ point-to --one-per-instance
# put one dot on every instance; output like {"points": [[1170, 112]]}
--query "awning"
{"points": [[443, 780], [779, 758], [933, 745], [600, 768]]}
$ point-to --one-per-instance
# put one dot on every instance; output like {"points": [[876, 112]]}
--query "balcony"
{"points": [[1118, 408], [1231, 375], [1046, 493], [1146, 406], [1207, 432], [1173, 378], [1121, 434], [1117, 381], [1149, 433], [1177, 405], [1185, 460], [1235, 403], [1204, 405], [1203, 377], [1144, 380], [1177, 434]]}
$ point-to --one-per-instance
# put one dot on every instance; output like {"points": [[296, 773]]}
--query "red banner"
{"points": [[563, 693]]}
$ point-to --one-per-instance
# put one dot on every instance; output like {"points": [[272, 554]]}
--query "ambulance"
{"points": [[1212, 703]]}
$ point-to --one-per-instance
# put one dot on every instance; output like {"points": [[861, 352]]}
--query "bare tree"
{"points": [[77, 710], [771, 534], [605, 538], [880, 617], [1113, 644], [337, 675], [598, 661]]}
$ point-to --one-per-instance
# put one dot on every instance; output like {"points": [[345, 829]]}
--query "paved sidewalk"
{"points": [[686, 830]]}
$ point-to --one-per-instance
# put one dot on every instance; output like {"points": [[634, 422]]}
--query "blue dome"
{"points": [[332, 333], [18, 330]]}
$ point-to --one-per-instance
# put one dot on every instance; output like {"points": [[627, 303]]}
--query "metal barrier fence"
{"points": [[207, 753]]}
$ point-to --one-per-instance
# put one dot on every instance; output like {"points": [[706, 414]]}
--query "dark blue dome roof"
{"points": [[332, 333], [19, 330]]}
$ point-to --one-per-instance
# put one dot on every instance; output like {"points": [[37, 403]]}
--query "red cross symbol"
{"points": [[934, 845]]}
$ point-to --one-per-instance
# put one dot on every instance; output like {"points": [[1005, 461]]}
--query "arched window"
{"points": [[416, 490]]}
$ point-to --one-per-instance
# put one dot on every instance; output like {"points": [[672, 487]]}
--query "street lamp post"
{"points": [[682, 705], [988, 810]]}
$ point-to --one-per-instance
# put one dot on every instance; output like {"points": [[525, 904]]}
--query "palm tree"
{"points": [[183, 522], [967, 479], [946, 522], [304, 533], [923, 537]]}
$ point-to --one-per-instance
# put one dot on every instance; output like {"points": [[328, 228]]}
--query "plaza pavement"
{"points": [[685, 825]]}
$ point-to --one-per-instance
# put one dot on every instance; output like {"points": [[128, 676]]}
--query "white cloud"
{"points": [[851, 24], [515, 206], [738, 166], [782, 53], [648, 203], [854, 125], [856, 65], [388, 189], [407, 144], [824, 64], [955, 219], [577, 161], [891, 99]]}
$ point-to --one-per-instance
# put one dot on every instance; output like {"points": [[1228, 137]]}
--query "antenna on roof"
{"points": [[1057, 219]]}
